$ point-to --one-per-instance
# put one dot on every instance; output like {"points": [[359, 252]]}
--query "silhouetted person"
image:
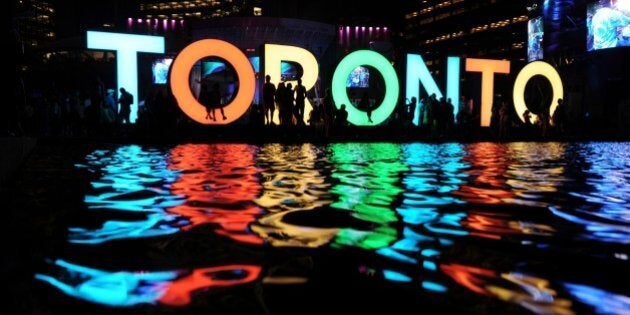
{"points": [[282, 105], [504, 119], [125, 100], [431, 112], [110, 100], [544, 122], [422, 113], [341, 117], [441, 117], [315, 117], [328, 110], [412, 109], [559, 116], [364, 104], [204, 99], [214, 99], [300, 97], [269, 95], [289, 103], [527, 118], [463, 115], [450, 114]]}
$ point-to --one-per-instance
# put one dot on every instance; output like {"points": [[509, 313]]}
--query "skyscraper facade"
{"points": [[199, 9], [34, 22], [474, 28]]}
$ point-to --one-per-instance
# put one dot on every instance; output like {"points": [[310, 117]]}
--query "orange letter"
{"points": [[180, 79], [487, 67]]}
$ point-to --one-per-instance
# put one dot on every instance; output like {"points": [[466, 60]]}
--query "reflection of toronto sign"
{"points": [[127, 46]]}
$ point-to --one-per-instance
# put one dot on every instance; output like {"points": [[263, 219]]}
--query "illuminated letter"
{"points": [[418, 73], [340, 77], [487, 67], [127, 47], [536, 68], [275, 54], [180, 79]]}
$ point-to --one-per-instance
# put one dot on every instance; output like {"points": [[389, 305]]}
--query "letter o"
{"points": [[340, 77], [180, 79], [536, 68]]}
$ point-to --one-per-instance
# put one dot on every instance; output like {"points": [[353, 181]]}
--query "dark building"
{"points": [[360, 25], [595, 77], [479, 28], [199, 9], [343, 12], [34, 22], [594, 80]]}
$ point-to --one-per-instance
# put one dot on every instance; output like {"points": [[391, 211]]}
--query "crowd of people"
{"points": [[92, 111], [290, 103], [430, 117], [102, 112]]}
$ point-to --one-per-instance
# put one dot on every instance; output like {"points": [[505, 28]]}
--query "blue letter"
{"points": [[126, 46], [418, 73]]}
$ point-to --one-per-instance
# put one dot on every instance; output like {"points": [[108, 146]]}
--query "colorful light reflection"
{"points": [[434, 173], [219, 183], [530, 292], [179, 191], [409, 209], [292, 186], [368, 176], [125, 289], [602, 301], [131, 180]]}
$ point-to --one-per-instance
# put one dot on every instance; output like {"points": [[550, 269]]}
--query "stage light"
{"points": [[127, 47], [180, 79], [418, 73], [340, 96], [487, 67], [536, 68]]}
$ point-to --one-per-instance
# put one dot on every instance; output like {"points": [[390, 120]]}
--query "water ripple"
{"points": [[292, 186], [495, 219]]}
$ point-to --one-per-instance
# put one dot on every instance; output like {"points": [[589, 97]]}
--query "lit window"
{"points": [[257, 11]]}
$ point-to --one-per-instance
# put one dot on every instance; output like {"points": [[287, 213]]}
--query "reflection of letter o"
{"points": [[180, 79], [536, 68], [340, 77]]}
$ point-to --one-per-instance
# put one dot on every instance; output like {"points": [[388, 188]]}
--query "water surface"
{"points": [[485, 227]]}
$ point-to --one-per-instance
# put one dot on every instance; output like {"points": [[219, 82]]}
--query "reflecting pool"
{"points": [[474, 228]]}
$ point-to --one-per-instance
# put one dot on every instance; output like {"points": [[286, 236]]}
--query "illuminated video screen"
{"points": [[209, 68], [608, 24], [288, 70], [160, 70], [359, 78], [535, 34]]}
